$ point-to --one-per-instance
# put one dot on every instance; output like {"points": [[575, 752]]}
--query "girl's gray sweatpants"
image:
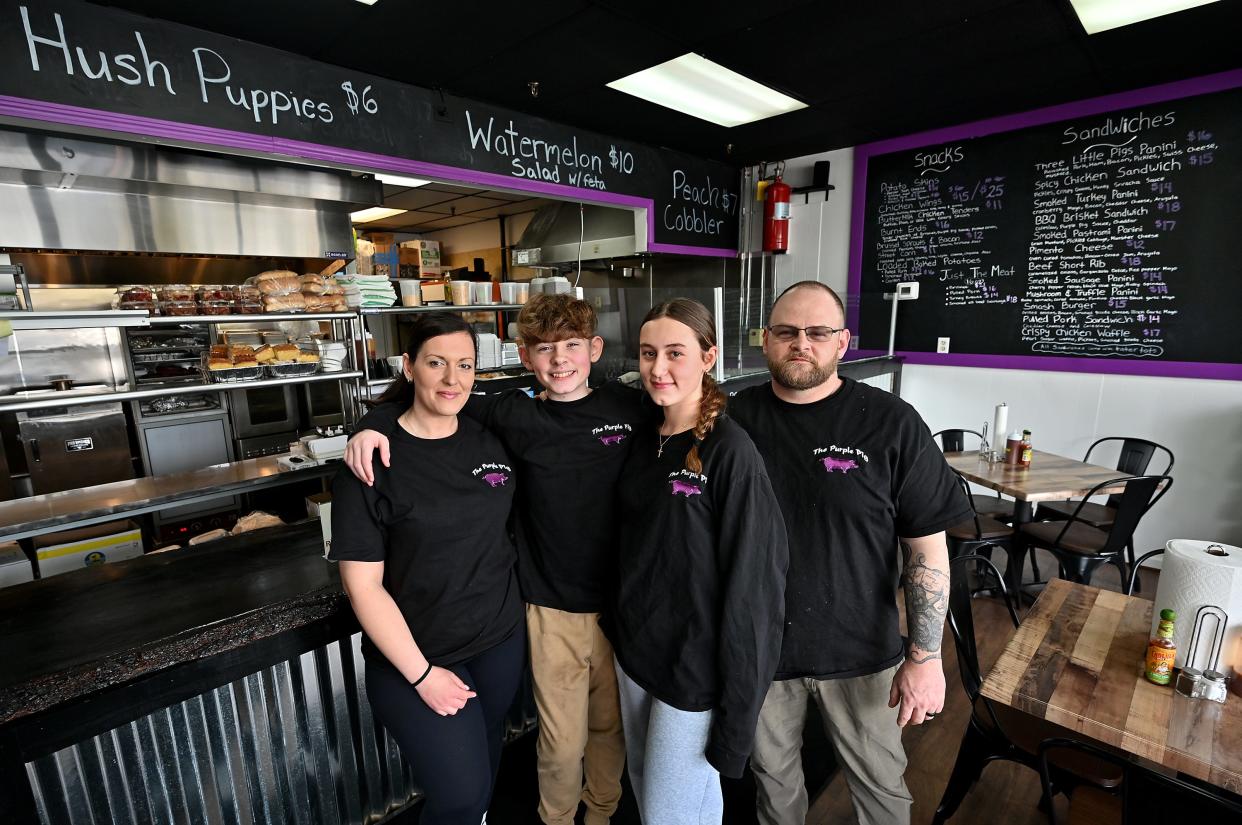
{"points": [[664, 746]]}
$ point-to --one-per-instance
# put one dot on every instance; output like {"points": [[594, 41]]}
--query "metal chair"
{"points": [[978, 534], [1133, 582], [1080, 547], [994, 731], [1134, 459], [954, 441], [1143, 795]]}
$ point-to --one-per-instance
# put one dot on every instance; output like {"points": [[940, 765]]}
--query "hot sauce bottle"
{"points": [[1161, 651], [1024, 457]]}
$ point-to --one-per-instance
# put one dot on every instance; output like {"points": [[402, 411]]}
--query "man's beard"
{"points": [[804, 375]]}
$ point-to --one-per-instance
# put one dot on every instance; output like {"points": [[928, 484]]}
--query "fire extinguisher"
{"points": [[776, 216]]}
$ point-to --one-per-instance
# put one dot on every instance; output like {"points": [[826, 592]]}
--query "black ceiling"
{"points": [[869, 70]]}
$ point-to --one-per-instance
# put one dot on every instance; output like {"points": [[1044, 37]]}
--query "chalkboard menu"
{"points": [[69, 63], [1105, 241]]}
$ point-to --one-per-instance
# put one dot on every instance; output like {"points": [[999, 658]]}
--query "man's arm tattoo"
{"points": [[927, 602]]}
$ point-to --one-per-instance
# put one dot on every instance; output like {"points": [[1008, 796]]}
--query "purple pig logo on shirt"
{"points": [[610, 440], [496, 475], [842, 464], [686, 488]]}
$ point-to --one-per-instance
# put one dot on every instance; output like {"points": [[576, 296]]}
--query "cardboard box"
{"points": [[15, 568], [316, 502], [426, 254], [87, 547]]}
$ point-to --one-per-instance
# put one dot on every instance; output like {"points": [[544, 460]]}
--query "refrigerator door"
{"points": [[71, 447]]}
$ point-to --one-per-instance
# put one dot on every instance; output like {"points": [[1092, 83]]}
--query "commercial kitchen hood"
{"points": [[558, 231], [91, 195]]}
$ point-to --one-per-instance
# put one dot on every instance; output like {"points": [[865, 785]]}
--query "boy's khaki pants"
{"points": [[580, 734]]}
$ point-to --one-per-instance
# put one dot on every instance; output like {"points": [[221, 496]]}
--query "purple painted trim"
{"points": [[45, 112], [1035, 117], [1114, 366]]}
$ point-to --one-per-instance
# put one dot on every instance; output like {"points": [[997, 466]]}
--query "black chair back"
{"points": [[954, 441], [962, 618], [1140, 495], [1146, 795], [1134, 459], [964, 485]]}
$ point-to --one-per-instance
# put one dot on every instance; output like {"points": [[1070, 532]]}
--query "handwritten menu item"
{"points": [[1109, 237], [69, 63]]}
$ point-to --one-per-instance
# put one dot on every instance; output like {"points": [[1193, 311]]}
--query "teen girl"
{"points": [[697, 619]]}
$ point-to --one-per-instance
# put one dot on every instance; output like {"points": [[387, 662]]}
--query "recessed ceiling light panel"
{"points": [[401, 180], [1102, 15], [374, 213], [700, 88]]}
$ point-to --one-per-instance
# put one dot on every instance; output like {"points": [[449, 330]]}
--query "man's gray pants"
{"points": [[864, 735]]}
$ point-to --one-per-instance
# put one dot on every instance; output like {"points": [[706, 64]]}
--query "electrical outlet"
{"points": [[756, 338], [599, 301], [942, 345]]}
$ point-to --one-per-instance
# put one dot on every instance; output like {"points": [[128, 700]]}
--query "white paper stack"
{"points": [[367, 290]]}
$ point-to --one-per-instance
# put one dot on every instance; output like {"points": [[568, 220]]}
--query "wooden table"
{"points": [[1077, 661], [1050, 477]]}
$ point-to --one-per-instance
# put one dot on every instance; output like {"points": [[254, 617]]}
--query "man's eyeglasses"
{"points": [[818, 335]]}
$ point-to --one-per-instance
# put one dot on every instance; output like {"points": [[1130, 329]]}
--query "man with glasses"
{"points": [[856, 472]]}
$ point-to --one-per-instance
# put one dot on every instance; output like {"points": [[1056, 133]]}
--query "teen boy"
{"points": [[569, 449]]}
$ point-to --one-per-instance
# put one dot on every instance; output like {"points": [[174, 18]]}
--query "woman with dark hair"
{"points": [[428, 565], [699, 607]]}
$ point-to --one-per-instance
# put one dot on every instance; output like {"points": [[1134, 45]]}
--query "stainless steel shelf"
{"points": [[446, 308], [71, 399], [173, 320], [76, 319]]}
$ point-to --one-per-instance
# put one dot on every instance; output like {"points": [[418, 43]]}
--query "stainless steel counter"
{"points": [[26, 517]]}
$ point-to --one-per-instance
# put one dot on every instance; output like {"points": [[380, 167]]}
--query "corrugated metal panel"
{"points": [[295, 744]]}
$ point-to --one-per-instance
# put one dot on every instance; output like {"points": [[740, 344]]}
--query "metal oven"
{"points": [[180, 433], [264, 411], [322, 405], [71, 447]]}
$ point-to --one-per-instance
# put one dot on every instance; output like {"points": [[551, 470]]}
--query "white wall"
{"points": [[1199, 420], [482, 235], [819, 231]]}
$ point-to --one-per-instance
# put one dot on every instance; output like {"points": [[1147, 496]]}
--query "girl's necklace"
{"points": [[663, 441]]}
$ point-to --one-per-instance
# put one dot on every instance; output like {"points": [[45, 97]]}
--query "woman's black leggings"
{"points": [[453, 758]]}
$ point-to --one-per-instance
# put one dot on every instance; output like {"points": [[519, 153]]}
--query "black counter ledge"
{"points": [[31, 516], [69, 636]]}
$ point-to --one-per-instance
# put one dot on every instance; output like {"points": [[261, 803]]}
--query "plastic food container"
{"points": [[189, 307], [215, 307], [149, 306], [216, 292], [176, 292], [133, 294], [247, 307]]}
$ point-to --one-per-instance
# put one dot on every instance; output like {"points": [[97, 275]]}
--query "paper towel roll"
{"points": [[1190, 577], [1000, 427]]}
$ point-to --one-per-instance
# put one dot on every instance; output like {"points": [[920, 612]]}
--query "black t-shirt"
{"points": [[852, 473], [437, 519], [699, 598], [568, 455]]}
